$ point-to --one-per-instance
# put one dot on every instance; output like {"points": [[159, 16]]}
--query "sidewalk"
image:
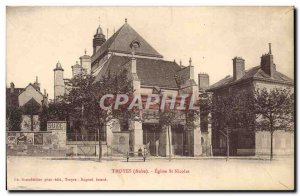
{"points": [[119, 158]]}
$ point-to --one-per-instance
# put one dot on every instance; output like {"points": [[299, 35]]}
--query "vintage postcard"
{"points": [[150, 98]]}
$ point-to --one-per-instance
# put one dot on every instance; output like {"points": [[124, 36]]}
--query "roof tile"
{"points": [[151, 72], [121, 40], [252, 73]]}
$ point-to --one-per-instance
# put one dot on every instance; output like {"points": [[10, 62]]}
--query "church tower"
{"points": [[76, 70], [59, 84], [85, 62], [99, 39]]}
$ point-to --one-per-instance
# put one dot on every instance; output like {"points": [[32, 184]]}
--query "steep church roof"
{"points": [[120, 42], [151, 72], [255, 73]]}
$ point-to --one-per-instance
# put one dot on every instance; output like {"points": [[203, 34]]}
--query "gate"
{"points": [[151, 138], [182, 140], [182, 143], [82, 144]]}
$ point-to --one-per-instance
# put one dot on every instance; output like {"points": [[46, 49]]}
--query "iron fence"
{"points": [[181, 143], [86, 136]]}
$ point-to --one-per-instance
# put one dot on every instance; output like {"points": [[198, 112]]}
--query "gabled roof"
{"points": [[121, 40], [255, 73], [36, 88], [151, 72], [31, 107]]}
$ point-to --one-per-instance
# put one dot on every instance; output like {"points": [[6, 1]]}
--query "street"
{"points": [[42, 173]]}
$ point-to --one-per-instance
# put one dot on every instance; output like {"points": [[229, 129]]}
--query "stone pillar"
{"points": [[163, 147], [136, 83], [209, 139], [136, 87], [136, 136], [135, 126], [112, 126], [197, 142], [197, 147]]}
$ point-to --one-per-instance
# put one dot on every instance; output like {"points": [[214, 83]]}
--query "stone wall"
{"points": [[283, 143], [33, 144]]}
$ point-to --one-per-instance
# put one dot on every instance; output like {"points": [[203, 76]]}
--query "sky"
{"points": [[38, 37]]}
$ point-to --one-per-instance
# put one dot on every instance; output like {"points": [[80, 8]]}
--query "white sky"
{"points": [[37, 37]]}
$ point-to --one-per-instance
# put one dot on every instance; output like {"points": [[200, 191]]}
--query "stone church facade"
{"points": [[151, 74]]}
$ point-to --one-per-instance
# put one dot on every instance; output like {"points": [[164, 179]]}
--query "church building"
{"points": [[152, 74]]}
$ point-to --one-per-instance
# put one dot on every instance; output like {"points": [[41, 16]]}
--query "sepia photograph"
{"points": [[150, 98]]}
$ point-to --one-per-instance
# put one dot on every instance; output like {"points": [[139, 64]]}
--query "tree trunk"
{"points": [[271, 153], [169, 141], [100, 125], [271, 133], [99, 143], [227, 141]]}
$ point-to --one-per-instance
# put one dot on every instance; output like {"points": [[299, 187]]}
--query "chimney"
{"points": [[12, 87], [36, 83], [238, 67], [203, 81], [267, 64]]}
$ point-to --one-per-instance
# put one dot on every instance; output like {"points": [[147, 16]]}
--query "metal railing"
{"points": [[181, 143], [86, 137]]}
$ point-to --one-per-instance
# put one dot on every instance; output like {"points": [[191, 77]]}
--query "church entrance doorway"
{"points": [[151, 138]]}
